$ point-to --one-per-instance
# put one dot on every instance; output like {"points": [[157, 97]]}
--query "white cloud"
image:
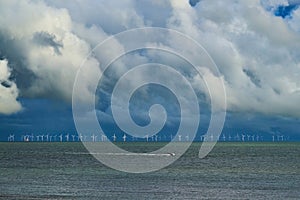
{"points": [[257, 53], [8, 91], [50, 49], [294, 22], [241, 36]]}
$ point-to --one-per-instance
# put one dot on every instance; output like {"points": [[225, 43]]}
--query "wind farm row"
{"points": [[146, 138]]}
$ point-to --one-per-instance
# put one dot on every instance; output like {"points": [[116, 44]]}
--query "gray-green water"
{"points": [[231, 171]]}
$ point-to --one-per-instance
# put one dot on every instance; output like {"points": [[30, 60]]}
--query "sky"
{"points": [[254, 43]]}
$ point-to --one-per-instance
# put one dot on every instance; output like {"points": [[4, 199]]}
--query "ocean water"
{"points": [[230, 171]]}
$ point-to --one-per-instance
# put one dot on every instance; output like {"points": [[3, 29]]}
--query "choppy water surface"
{"points": [[230, 171]]}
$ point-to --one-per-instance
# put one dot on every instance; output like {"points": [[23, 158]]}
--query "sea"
{"points": [[232, 170]]}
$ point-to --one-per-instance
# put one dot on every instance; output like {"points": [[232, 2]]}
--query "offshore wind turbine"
{"points": [[243, 137], [93, 138], [147, 138], [224, 137], [47, 137], [124, 137], [81, 137], [202, 138], [114, 137], [67, 137], [73, 138], [248, 137], [179, 138], [281, 137], [11, 138], [103, 137], [187, 137], [60, 138]]}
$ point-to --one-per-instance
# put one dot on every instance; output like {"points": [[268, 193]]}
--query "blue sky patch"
{"points": [[285, 11]]}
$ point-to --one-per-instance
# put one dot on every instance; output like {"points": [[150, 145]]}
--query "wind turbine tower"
{"points": [[103, 138], [147, 138], [187, 138], [114, 137], [224, 137], [93, 138], [202, 138], [67, 137], [11, 138], [281, 137], [60, 138], [248, 138], [80, 137], [179, 138], [47, 137]]}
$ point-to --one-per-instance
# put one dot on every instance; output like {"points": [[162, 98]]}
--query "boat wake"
{"points": [[122, 154]]}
